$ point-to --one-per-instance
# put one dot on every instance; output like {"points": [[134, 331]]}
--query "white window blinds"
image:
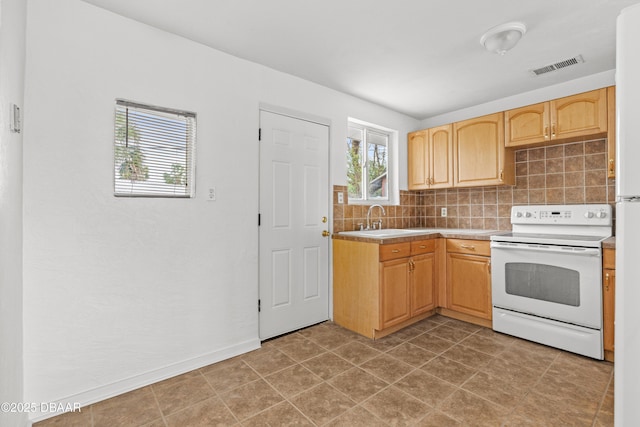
{"points": [[154, 151]]}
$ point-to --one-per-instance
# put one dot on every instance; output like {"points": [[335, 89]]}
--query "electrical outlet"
{"points": [[443, 212], [212, 194], [340, 197]]}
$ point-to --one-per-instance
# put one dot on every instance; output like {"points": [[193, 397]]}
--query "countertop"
{"points": [[428, 234], [609, 243]]}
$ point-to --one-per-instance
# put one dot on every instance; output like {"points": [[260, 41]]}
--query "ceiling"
{"points": [[418, 57]]}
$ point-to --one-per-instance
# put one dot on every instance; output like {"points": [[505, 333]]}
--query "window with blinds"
{"points": [[154, 150]]}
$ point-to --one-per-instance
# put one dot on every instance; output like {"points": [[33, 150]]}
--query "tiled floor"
{"points": [[439, 372]]}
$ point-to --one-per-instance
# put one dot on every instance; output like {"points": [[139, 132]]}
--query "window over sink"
{"points": [[370, 151]]}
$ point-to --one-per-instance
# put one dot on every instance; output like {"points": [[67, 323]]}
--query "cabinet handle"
{"points": [[489, 266], [422, 246], [501, 175], [553, 130], [412, 265], [470, 247], [546, 132], [611, 166], [606, 282], [395, 251]]}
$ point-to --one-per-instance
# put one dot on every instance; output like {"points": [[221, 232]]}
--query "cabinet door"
{"points": [[611, 132], [584, 114], [394, 292], [418, 166], [422, 281], [469, 284], [441, 156], [479, 151], [608, 308], [527, 125]]}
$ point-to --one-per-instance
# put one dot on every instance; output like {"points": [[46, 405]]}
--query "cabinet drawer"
{"points": [[395, 251], [609, 258], [423, 247], [473, 247]]}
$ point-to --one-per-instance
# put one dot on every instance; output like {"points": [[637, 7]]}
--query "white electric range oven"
{"points": [[547, 276]]}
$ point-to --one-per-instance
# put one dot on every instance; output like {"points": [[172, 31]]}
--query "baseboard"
{"points": [[465, 317], [377, 334], [123, 386]]}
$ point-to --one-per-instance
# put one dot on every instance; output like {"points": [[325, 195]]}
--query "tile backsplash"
{"points": [[573, 173]]}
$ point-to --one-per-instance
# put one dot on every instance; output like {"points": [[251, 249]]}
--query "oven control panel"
{"points": [[598, 214]]}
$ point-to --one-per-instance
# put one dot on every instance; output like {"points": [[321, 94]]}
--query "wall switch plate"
{"points": [[340, 197], [443, 212], [212, 194]]}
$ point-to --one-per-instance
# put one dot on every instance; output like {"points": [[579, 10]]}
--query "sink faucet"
{"points": [[369, 217]]}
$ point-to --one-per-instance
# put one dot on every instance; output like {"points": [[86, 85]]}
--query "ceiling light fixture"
{"points": [[502, 38]]}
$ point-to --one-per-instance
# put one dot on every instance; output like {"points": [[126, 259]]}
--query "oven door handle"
{"points": [[568, 250]]}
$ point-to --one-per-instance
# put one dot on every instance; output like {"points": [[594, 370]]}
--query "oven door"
{"points": [[555, 282]]}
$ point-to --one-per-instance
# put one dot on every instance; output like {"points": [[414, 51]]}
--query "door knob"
{"points": [[325, 233], [324, 219]]}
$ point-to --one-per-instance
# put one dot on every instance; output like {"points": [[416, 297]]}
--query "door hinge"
{"points": [[259, 306], [259, 134], [259, 219]]}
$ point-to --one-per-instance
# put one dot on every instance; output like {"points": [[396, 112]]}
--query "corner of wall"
{"points": [[12, 57]]}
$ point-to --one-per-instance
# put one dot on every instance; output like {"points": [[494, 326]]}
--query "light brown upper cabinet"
{"points": [[418, 164], [611, 132], [527, 125], [575, 116], [579, 115], [479, 153], [430, 158]]}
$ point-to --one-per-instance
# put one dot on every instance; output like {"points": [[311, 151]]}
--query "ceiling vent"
{"points": [[558, 65]]}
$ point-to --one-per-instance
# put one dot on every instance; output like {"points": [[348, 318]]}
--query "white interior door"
{"points": [[294, 212]]}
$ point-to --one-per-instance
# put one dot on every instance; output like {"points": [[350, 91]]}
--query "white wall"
{"points": [[12, 54], [120, 292], [595, 81], [627, 292]]}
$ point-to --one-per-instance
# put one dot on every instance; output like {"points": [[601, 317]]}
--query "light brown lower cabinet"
{"points": [[394, 293], [423, 284], [407, 288], [379, 289], [608, 302], [468, 285]]}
